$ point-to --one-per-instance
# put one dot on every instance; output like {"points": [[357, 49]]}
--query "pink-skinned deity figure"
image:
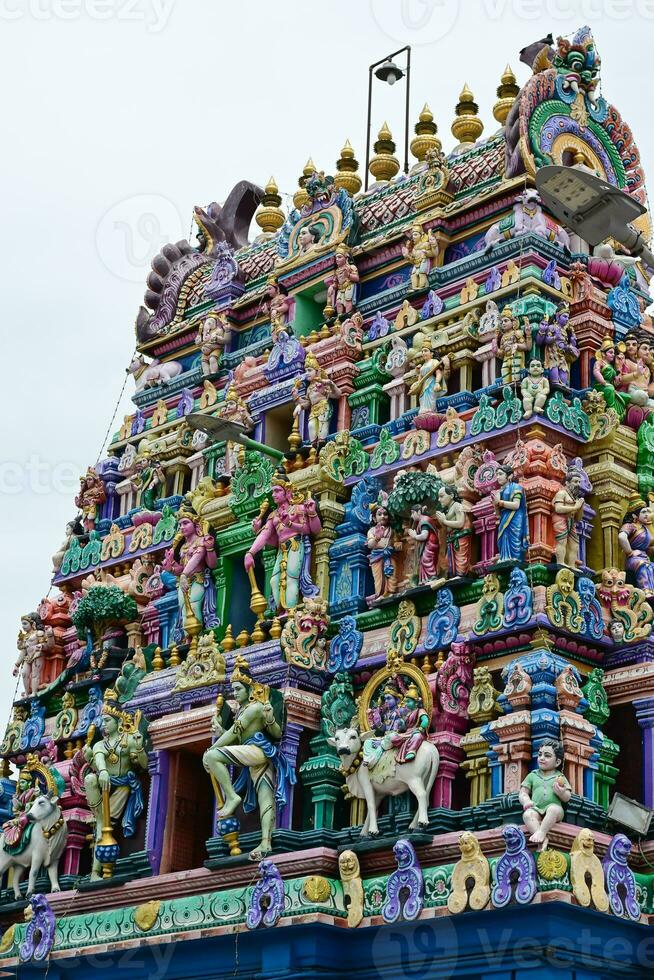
{"points": [[35, 639], [192, 558], [289, 529], [342, 284], [279, 308], [91, 496]]}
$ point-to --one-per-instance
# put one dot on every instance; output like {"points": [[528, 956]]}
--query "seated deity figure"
{"points": [[535, 388], [17, 830], [383, 718], [513, 343], [636, 538], [431, 383], [289, 529], [413, 726], [213, 334], [606, 376], [635, 377], [315, 396], [342, 284], [252, 745], [544, 793], [421, 249]]}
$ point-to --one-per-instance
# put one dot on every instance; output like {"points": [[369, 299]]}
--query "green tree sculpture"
{"points": [[103, 606]]}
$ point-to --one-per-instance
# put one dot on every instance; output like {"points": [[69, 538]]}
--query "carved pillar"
{"points": [[482, 708], [127, 497], [321, 775], [611, 467], [159, 769], [80, 824], [606, 771], [150, 625], [451, 755], [289, 749], [396, 391], [484, 520], [476, 767], [576, 736], [645, 717], [510, 760], [196, 463], [331, 514]]}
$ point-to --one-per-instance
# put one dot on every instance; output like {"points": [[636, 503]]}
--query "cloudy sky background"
{"points": [[119, 115]]}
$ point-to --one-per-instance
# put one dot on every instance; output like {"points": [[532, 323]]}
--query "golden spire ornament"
{"points": [[300, 198], [425, 138], [467, 126], [346, 175], [384, 165], [507, 91], [270, 216]]}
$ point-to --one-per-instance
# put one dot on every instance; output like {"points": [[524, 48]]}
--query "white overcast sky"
{"points": [[119, 115]]}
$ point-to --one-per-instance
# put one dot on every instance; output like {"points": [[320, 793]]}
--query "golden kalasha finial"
{"points": [[425, 138], [467, 126], [270, 216], [384, 165], [507, 91], [300, 198], [347, 167]]}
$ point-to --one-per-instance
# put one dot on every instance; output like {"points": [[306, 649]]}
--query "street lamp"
{"points": [[592, 208], [221, 430], [386, 70]]}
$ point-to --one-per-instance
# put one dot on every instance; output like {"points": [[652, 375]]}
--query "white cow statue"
{"points": [[417, 776], [45, 847], [527, 218], [155, 373]]}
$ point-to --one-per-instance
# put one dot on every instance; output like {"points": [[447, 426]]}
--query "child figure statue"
{"points": [[535, 388], [544, 792]]}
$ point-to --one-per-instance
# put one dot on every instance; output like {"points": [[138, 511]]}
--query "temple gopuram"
{"points": [[347, 664]]}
